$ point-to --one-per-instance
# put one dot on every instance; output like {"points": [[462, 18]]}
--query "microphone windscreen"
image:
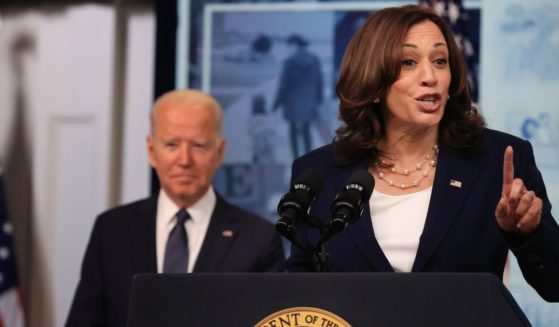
{"points": [[311, 178], [365, 180]]}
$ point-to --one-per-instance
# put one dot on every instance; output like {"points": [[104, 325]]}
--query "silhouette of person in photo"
{"points": [[262, 132], [300, 92]]}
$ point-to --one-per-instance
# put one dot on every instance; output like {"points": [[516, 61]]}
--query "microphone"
{"points": [[295, 204], [348, 204]]}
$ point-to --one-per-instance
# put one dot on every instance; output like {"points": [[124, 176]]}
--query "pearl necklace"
{"points": [[430, 159]]}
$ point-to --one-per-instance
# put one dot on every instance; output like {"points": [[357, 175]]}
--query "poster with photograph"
{"points": [[275, 81], [520, 80]]}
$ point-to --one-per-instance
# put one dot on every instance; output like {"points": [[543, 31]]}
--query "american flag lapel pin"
{"points": [[227, 233], [455, 183]]}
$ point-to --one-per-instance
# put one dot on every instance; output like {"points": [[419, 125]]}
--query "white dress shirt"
{"points": [[196, 227]]}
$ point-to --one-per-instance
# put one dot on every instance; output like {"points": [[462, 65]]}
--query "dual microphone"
{"points": [[346, 207]]}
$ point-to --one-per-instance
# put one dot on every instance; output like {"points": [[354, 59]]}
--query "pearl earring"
{"points": [[377, 100]]}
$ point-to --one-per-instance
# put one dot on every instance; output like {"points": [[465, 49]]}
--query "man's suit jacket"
{"points": [[460, 233], [122, 244]]}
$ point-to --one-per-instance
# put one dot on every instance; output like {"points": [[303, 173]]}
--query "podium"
{"points": [[360, 299]]}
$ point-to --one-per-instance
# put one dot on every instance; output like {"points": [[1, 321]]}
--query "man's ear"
{"points": [[150, 149], [221, 150]]}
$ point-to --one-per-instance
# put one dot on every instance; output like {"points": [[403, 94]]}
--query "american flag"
{"points": [[459, 19], [455, 183], [11, 309]]}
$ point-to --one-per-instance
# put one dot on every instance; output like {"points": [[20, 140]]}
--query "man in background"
{"points": [[186, 227]]}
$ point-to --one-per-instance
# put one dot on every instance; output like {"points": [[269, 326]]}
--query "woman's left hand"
{"points": [[519, 210]]}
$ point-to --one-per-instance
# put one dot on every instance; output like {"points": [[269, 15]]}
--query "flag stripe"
{"points": [[11, 309], [11, 314]]}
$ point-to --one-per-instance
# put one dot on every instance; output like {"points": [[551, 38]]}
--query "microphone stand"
{"points": [[320, 251], [320, 257], [287, 230]]}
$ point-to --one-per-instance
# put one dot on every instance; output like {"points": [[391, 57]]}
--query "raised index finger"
{"points": [[508, 171]]}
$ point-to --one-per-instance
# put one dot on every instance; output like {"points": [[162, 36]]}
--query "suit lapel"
{"points": [[362, 231], [219, 238], [143, 237], [363, 234], [454, 179]]}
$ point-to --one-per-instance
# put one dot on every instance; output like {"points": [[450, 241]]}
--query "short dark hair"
{"points": [[262, 44], [298, 40], [372, 63]]}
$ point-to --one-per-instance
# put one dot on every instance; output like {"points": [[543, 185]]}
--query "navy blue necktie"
{"points": [[176, 250]]}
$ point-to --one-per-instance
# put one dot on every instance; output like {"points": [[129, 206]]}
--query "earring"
{"points": [[377, 100]]}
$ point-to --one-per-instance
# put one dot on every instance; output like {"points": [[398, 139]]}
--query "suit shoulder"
{"points": [[128, 210], [323, 155], [323, 151], [493, 144], [245, 216], [501, 138]]}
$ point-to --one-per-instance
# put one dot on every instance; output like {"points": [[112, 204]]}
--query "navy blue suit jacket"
{"points": [[460, 233], [122, 244]]}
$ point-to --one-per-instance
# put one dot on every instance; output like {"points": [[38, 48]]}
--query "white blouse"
{"points": [[398, 222]]}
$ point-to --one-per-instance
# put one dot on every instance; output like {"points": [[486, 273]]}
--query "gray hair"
{"points": [[187, 97]]}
